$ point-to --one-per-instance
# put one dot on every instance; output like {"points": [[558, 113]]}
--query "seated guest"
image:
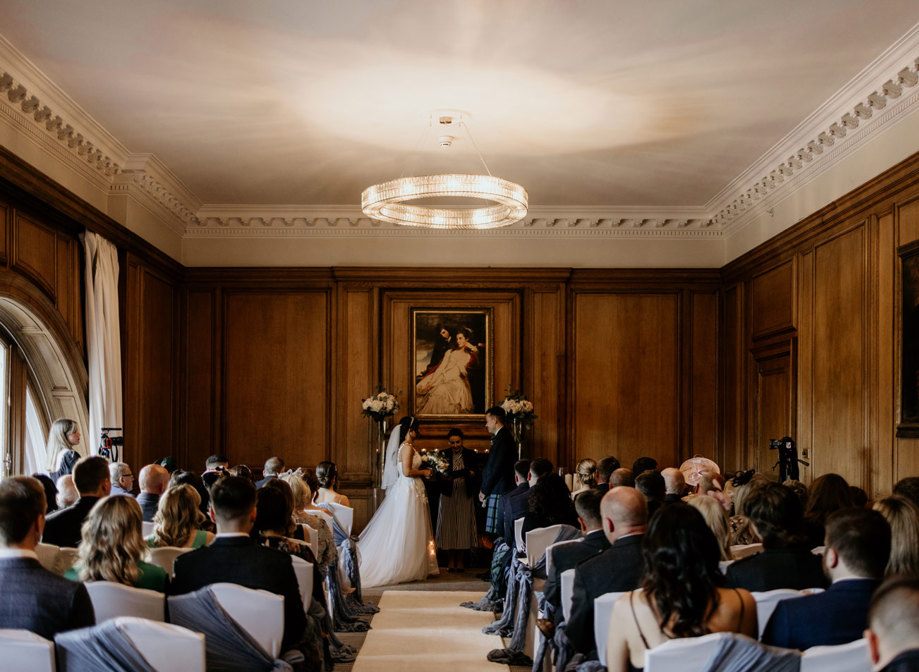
{"points": [[307, 513], [643, 464], [717, 520], [893, 626], [618, 568], [549, 502], [828, 493], [273, 467], [181, 477], [903, 517], [674, 485], [216, 463], [908, 487], [585, 475], [622, 477], [67, 494], [154, 480], [328, 481], [568, 556], [650, 483], [243, 471], [513, 504], [859, 496], [786, 561], [605, 469], [712, 485], [682, 594], [799, 488], [235, 558], [122, 478], [47, 484], [31, 597], [91, 477], [113, 545], [742, 530], [178, 519], [857, 546]]}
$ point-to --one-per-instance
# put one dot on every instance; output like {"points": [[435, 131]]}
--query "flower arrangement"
{"points": [[380, 406], [438, 461], [517, 407]]}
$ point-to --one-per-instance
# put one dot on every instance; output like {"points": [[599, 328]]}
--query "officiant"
{"points": [[456, 526]]}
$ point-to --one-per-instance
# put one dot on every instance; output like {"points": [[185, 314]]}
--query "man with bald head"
{"points": [[893, 626], [675, 485], [624, 513], [153, 482]]}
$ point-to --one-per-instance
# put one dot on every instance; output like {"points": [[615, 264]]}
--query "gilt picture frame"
{"points": [[908, 346]]}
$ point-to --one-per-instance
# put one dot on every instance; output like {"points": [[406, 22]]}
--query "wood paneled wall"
{"points": [[810, 339]]}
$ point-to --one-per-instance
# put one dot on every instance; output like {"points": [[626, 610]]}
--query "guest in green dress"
{"points": [[113, 545], [178, 520]]}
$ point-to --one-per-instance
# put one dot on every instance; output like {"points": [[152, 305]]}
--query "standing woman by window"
{"points": [[64, 435]]}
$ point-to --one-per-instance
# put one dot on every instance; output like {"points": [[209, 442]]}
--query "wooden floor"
{"points": [[468, 581]]}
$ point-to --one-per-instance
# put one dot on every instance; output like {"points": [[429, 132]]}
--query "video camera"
{"points": [[788, 458], [110, 446]]}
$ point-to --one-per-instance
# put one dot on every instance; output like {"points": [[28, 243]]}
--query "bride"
{"points": [[397, 545]]}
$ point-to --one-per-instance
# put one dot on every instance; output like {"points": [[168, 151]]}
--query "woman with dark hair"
{"points": [[327, 476], [682, 594], [397, 545], [50, 491], [828, 493], [181, 477], [549, 502]]}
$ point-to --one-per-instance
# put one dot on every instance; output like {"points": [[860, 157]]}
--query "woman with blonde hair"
{"points": [[903, 516], [178, 520], [62, 437], [307, 513], [585, 476], [113, 546], [717, 520]]}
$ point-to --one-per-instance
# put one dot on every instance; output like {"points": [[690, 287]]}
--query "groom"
{"points": [[498, 475]]}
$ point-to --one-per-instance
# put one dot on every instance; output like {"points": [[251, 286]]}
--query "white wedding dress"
{"points": [[397, 545]]}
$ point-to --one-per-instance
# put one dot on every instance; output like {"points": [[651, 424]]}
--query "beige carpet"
{"points": [[428, 630]]}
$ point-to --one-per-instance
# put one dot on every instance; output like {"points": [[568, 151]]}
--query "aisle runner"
{"points": [[428, 630]]}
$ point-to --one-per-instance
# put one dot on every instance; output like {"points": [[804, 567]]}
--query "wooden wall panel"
{"points": [[276, 376], [772, 300], [773, 406], [69, 283], [358, 348], [6, 213], [543, 375], [626, 387], [703, 382], [733, 446], [905, 456], [201, 429], [35, 252]]}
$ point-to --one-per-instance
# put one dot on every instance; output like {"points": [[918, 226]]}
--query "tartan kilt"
{"points": [[492, 524]]}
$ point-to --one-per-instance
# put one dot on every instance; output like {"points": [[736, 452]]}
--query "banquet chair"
{"points": [[25, 651], [304, 572], [537, 541], [344, 514], [166, 647], [258, 612], [48, 556], [165, 556], [678, 655], [111, 600], [311, 534], [766, 603], [66, 558], [603, 615], [549, 552], [851, 657], [518, 534], [567, 586], [146, 528]]}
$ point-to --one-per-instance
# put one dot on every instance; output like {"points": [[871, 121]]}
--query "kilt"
{"points": [[492, 524]]}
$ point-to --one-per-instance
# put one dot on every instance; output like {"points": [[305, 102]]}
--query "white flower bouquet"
{"points": [[517, 407], [380, 406]]}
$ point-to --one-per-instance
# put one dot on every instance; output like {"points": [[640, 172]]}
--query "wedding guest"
{"points": [[498, 474], [67, 494], [717, 520], [50, 491], [327, 476], [799, 488], [113, 545], [903, 517], [273, 467], [650, 483], [893, 626], [742, 531], [622, 477], [92, 480], [549, 502], [62, 437], [513, 504], [180, 477], [243, 471], [154, 480], [31, 597], [456, 526], [681, 592], [674, 485], [605, 469], [859, 496], [828, 493], [307, 513], [585, 476], [122, 478], [643, 464], [908, 487], [216, 463], [177, 521]]}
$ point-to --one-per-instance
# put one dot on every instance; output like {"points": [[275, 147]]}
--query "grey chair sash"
{"points": [[738, 653], [101, 648]]}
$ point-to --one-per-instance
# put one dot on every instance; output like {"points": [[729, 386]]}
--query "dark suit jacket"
{"points": [[837, 616], [32, 598], [241, 561], [498, 475], [569, 556], [908, 661], [148, 503], [795, 568], [515, 506], [618, 568], [62, 528], [261, 482]]}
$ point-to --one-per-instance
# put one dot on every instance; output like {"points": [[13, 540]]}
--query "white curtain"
{"points": [[103, 338]]}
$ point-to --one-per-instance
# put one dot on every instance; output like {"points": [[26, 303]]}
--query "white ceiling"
{"points": [[656, 103]]}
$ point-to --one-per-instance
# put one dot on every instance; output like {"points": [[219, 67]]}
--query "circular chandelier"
{"points": [[396, 201]]}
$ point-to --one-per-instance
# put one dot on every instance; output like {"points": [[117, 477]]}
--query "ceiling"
{"points": [[585, 103]]}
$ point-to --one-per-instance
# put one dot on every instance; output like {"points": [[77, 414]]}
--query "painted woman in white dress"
{"points": [[446, 391], [398, 544]]}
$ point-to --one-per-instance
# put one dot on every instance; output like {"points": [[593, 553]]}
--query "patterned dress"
{"points": [[456, 529]]}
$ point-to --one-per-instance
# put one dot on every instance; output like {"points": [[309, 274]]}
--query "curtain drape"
{"points": [[103, 337]]}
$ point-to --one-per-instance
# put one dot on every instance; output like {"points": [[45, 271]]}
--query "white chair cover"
{"points": [[304, 572], [603, 615], [311, 534], [741, 551], [66, 558], [538, 541], [567, 581], [111, 600], [518, 534], [679, 655], [165, 556], [146, 528], [48, 556], [766, 603], [166, 647], [25, 651], [258, 612], [851, 657], [345, 516], [549, 552]]}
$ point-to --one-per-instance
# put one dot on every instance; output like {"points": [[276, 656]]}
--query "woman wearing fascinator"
{"points": [[398, 545]]}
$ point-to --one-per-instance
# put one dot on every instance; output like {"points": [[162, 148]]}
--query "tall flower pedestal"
{"points": [[520, 415], [379, 407], [379, 463]]}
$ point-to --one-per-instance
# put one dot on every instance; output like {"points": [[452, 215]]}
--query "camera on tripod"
{"points": [[788, 458], [110, 446]]}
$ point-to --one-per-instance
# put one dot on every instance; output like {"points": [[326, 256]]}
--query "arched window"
{"points": [[24, 420]]}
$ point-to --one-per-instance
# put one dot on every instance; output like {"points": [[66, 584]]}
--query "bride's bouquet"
{"points": [[379, 406], [438, 461]]}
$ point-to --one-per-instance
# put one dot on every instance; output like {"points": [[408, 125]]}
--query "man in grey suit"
{"points": [[31, 597]]}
